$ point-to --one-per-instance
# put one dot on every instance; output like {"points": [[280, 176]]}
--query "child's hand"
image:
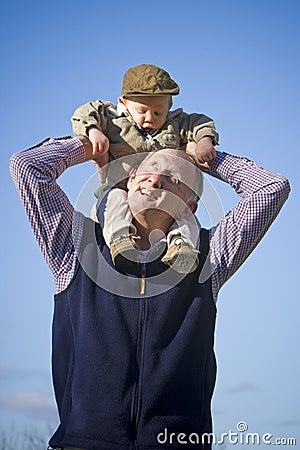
{"points": [[205, 151], [100, 144], [99, 141]]}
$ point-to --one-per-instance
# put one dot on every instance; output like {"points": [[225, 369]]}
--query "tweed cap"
{"points": [[147, 79]]}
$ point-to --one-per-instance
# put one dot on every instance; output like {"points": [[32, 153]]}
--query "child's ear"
{"points": [[122, 101]]}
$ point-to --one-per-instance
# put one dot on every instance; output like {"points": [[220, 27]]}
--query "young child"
{"points": [[142, 122]]}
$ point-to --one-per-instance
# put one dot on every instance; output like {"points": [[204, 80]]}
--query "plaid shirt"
{"points": [[52, 216]]}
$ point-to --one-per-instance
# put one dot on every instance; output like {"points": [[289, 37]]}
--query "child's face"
{"points": [[148, 112]]}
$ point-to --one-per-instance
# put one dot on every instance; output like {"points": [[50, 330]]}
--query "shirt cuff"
{"points": [[224, 165], [72, 147]]}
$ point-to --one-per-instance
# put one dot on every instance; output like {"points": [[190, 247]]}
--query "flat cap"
{"points": [[147, 79]]}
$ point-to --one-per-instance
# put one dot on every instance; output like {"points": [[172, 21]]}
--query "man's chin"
{"points": [[139, 203]]}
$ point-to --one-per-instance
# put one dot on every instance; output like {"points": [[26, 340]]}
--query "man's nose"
{"points": [[155, 180]]}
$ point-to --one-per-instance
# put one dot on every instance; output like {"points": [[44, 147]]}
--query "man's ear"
{"points": [[191, 208], [131, 175]]}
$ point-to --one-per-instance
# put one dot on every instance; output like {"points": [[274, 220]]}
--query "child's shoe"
{"points": [[181, 257], [124, 251]]}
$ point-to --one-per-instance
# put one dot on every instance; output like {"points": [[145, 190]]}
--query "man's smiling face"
{"points": [[161, 183]]}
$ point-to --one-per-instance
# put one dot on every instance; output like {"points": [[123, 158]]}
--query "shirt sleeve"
{"points": [[49, 211], [200, 126], [234, 238], [88, 115]]}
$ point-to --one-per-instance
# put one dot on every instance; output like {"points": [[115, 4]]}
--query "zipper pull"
{"points": [[143, 280]]}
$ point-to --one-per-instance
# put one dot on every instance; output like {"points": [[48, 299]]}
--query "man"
{"points": [[133, 359]]}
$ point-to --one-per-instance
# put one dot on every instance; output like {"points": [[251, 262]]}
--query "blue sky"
{"points": [[235, 61]]}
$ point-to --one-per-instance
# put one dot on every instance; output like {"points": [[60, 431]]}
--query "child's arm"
{"points": [[203, 152], [89, 120], [100, 145], [201, 135]]}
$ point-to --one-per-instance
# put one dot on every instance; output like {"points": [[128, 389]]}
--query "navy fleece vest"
{"points": [[129, 371]]}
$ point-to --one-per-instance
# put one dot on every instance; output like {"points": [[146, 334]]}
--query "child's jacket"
{"points": [[127, 138]]}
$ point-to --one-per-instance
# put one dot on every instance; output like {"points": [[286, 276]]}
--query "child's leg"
{"points": [[114, 215], [187, 229], [183, 244], [115, 218]]}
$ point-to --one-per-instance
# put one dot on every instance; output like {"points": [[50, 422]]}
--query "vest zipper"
{"points": [[143, 279], [140, 349]]}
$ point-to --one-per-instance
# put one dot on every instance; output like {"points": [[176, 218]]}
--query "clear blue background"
{"points": [[236, 61]]}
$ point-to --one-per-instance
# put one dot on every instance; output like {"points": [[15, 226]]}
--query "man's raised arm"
{"points": [[234, 238], [49, 210]]}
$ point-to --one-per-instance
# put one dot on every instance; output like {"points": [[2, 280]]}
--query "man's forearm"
{"points": [[49, 211], [244, 175], [263, 195]]}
